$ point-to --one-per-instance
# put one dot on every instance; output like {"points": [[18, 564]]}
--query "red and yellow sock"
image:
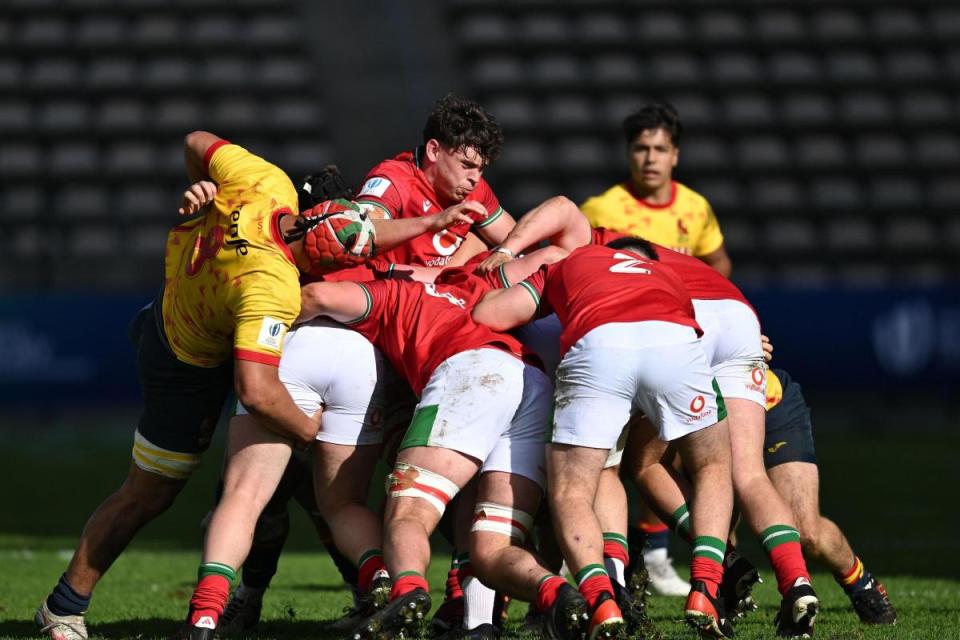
{"points": [[854, 579], [782, 543]]}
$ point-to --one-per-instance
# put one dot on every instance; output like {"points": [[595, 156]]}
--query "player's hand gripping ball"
{"points": [[342, 235]]}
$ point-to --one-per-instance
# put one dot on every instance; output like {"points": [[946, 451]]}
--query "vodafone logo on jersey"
{"points": [[446, 243], [757, 375], [758, 378], [697, 404]]}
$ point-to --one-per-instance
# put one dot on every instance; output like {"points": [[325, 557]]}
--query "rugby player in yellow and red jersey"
{"points": [[231, 291], [651, 204]]}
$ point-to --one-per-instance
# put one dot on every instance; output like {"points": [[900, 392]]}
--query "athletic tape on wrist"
{"points": [[498, 518], [410, 481]]}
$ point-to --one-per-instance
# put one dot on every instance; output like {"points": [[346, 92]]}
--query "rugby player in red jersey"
{"points": [[481, 409], [630, 343], [460, 139], [732, 344]]}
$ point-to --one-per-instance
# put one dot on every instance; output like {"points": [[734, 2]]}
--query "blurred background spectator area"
{"points": [[824, 133]]}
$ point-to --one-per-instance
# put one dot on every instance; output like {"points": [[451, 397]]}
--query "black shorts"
{"points": [[182, 403], [789, 433]]}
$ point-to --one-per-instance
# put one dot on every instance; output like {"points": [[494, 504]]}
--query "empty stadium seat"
{"points": [[58, 74], [226, 72], [925, 107], [838, 192], [236, 112], [773, 195], [724, 194], [895, 192], [523, 154], [838, 24], [514, 111], [675, 69], [881, 150], [19, 159], [911, 234], [795, 67], [526, 194], [866, 107], [498, 71], [851, 234], [602, 29], [22, 202], [807, 109], [944, 192], [766, 152], [283, 72], [486, 30], [147, 200], [545, 29], [739, 235], [721, 26], [116, 72], [169, 72], [790, 234], [568, 111], [896, 23], [821, 151], [42, 31], [780, 26], [944, 22], [556, 70], [737, 67], [15, 116], [580, 154], [269, 30], [658, 27], [94, 242], [616, 69], [910, 66], [852, 66], [706, 151], [748, 109], [81, 200], [59, 116], [157, 31], [178, 114], [215, 30], [304, 113], [131, 156], [75, 158], [10, 73], [938, 150], [121, 114]]}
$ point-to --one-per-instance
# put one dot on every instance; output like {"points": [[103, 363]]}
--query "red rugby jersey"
{"points": [[401, 189], [486, 282], [702, 281], [419, 325], [598, 285]]}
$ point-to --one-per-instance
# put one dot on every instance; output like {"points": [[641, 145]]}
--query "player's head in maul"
{"points": [[326, 184], [460, 139], [639, 246], [652, 134]]}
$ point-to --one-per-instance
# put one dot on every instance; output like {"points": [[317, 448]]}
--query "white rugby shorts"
{"points": [[621, 369], [489, 405], [325, 365], [731, 342]]}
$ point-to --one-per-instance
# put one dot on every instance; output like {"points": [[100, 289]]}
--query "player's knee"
{"points": [[495, 527], [809, 534], [410, 481]]}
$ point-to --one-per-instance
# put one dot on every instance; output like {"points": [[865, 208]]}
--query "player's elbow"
{"points": [[312, 301]]}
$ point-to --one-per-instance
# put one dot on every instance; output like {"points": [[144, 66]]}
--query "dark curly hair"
{"points": [[637, 245], [653, 115], [457, 123]]}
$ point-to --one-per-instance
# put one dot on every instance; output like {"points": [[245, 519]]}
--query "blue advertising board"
{"points": [[72, 350]]}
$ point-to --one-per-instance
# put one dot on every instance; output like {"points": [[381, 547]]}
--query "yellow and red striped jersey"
{"points": [[231, 286], [686, 223]]}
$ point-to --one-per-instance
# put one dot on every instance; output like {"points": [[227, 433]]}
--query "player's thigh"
{"points": [[747, 432], [256, 459], [731, 342], [182, 404], [468, 403], [594, 393], [573, 472], [798, 483], [675, 386], [644, 448], [341, 473], [520, 450]]}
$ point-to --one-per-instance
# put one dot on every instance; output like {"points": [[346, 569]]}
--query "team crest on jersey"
{"points": [[374, 187], [271, 333]]}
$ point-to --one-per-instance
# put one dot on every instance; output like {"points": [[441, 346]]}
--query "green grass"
{"points": [[892, 495]]}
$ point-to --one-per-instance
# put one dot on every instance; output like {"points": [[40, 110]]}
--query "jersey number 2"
{"points": [[628, 264]]}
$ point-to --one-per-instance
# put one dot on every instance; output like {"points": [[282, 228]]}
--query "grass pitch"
{"points": [[891, 495]]}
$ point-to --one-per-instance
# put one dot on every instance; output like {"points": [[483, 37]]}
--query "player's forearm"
{"points": [[264, 396], [557, 219], [393, 233]]}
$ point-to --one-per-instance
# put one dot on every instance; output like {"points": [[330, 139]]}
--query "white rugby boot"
{"points": [[60, 627], [663, 577]]}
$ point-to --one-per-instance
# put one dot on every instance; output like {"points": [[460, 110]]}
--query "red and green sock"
{"points": [[592, 581], [547, 590], [680, 523], [782, 544], [211, 594], [707, 563], [369, 568], [407, 581], [616, 556]]}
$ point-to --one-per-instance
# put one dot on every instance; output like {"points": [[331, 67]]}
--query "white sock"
{"points": [[655, 556], [614, 567], [478, 601]]}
